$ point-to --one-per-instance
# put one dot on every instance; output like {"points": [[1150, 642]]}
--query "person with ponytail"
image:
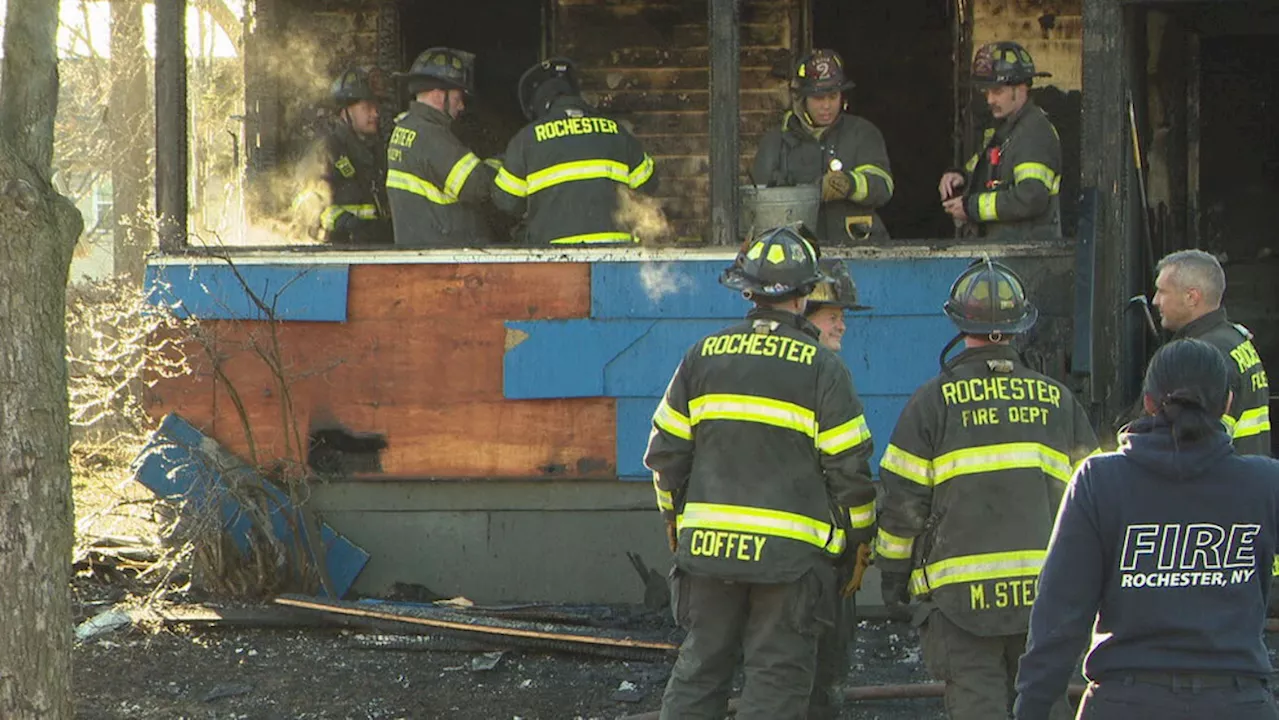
{"points": [[1164, 549]]}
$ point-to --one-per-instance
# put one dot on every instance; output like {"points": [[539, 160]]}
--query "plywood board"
{"points": [[505, 291]]}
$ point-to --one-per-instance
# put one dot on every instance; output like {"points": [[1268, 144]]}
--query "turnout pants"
{"points": [[1164, 696], [771, 628], [978, 671], [833, 659]]}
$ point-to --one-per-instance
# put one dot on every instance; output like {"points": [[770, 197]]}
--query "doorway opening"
{"points": [[1209, 99], [906, 92]]}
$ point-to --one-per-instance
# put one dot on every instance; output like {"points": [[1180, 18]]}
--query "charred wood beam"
{"points": [[1106, 171], [171, 124], [725, 46]]}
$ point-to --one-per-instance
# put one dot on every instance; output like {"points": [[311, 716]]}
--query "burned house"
{"points": [[480, 413]]}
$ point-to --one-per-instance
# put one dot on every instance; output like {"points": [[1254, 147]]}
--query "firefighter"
{"points": [[1009, 188], [436, 185], [345, 199], [825, 308], [759, 457], [1173, 568], [817, 142], [564, 171], [1189, 289], [972, 478]]}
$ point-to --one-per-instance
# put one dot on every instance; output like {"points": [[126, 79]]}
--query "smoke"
{"points": [[663, 279], [643, 217]]}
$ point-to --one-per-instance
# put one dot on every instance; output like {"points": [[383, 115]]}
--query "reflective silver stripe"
{"points": [[987, 207], [459, 174], [908, 466], [750, 408], [408, 182], [577, 170], [862, 516], [974, 568], [878, 172], [672, 421], [511, 184], [893, 547], [763, 521], [1007, 456], [665, 499], [641, 174], [845, 436], [1252, 422]]}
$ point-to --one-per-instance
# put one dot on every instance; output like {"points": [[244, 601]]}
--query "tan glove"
{"points": [[836, 185], [672, 541]]}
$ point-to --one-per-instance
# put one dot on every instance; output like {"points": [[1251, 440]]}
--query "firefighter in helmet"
{"points": [[344, 196], [564, 172], [818, 142], [831, 298], [759, 452], [436, 185], [1009, 188], [972, 479]]}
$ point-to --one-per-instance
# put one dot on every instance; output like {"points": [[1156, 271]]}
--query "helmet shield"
{"points": [[821, 72], [777, 264], [443, 68], [1003, 63], [987, 298]]}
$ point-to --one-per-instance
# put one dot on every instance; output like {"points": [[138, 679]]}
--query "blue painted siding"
{"points": [[180, 463], [645, 316], [214, 292]]}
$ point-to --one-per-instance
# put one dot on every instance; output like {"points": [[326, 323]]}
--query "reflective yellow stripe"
{"points": [[862, 516], [1252, 422], [878, 172], [973, 568], [511, 184], [762, 521], [845, 436], [494, 163], [860, 189], [972, 164], [665, 499], [401, 180], [750, 408], [893, 547], [908, 466], [1229, 423], [591, 238], [1007, 456], [578, 170], [987, 207], [329, 218], [459, 174], [673, 422], [1037, 171], [642, 172]]}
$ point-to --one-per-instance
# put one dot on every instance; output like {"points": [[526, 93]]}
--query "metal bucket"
{"points": [[761, 207]]}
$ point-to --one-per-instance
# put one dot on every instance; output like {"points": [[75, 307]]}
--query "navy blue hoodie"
{"points": [[1171, 550]]}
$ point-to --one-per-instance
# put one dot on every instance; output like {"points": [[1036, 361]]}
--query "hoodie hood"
{"points": [[1148, 441]]}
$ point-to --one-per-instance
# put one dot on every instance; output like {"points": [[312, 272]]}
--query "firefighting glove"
{"points": [[672, 538], [894, 591], [836, 185]]}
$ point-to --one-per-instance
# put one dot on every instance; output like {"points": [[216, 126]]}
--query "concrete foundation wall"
{"points": [[495, 542]]}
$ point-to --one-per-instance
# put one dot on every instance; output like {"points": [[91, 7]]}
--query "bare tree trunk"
{"points": [[38, 230], [129, 124]]}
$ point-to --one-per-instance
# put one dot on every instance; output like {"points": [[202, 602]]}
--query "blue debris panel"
{"points": [[251, 292], [181, 463], [644, 316]]}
